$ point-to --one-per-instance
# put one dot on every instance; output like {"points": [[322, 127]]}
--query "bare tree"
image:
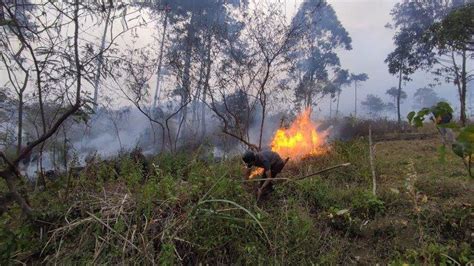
{"points": [[356, 78], [268, 38], [100, 57], [60, 64], [20, 91], [10, 173]]}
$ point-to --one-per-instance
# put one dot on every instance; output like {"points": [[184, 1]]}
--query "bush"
{"points": [[367, 205]]}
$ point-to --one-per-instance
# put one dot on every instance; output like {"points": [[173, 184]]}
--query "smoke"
{"points": [[113, 132], [272, 123], [31, 169], [110, 133]]}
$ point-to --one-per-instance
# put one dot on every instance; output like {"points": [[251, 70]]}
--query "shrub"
{"points": [[367, 204]]}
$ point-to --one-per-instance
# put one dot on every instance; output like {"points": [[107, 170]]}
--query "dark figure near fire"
{"points": [[272, 164]]}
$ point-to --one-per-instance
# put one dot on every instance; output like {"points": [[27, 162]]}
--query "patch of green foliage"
{"points": [[464, 143], [440, 109], [464, 146], [367, 205]]}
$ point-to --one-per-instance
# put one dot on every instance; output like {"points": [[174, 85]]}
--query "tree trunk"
{"points": [[65, 151], [337, 104], [40, 175], [206, 86], [263, 102], [463, 82], [203, 113], [330, 107], [160, 61], [20, 122], [309, 100], [2, 13], [100, 59], [186, 78], [398, 97], [470, 103], [10, 174], [197, 96], [355, 99], [10, 179]]}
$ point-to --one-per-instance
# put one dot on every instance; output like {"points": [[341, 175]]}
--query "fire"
{"points": [[257, 172], [300, 139]]}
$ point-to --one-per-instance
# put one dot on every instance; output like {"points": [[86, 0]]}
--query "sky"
{"points": [[371, 42], [365, 21]]}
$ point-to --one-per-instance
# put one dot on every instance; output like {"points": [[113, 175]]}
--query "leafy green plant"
{"points": [[367, 204], [439, 110], [464, 143], [463, 147], [437, 113], [340, 219]]}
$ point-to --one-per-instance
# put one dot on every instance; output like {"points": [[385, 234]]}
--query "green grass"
{"points": [[191, 210]]}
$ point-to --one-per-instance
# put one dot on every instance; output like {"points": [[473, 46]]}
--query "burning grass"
{"points": [[190, 211]]}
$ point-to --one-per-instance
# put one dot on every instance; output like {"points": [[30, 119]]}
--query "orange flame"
{"points": [[301, 139], [256, 172]]}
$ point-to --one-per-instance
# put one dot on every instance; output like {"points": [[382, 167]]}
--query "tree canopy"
{"points": [[322, 35]]}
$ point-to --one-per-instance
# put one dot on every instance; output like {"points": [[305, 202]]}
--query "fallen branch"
{"points": [[322, 171], [301, 177], [264, 179]]}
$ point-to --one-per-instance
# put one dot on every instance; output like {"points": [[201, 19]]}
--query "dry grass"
{"points": [[190, 211]]}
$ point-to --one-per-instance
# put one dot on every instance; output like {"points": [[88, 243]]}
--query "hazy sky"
{"points": [[371, 42]]}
